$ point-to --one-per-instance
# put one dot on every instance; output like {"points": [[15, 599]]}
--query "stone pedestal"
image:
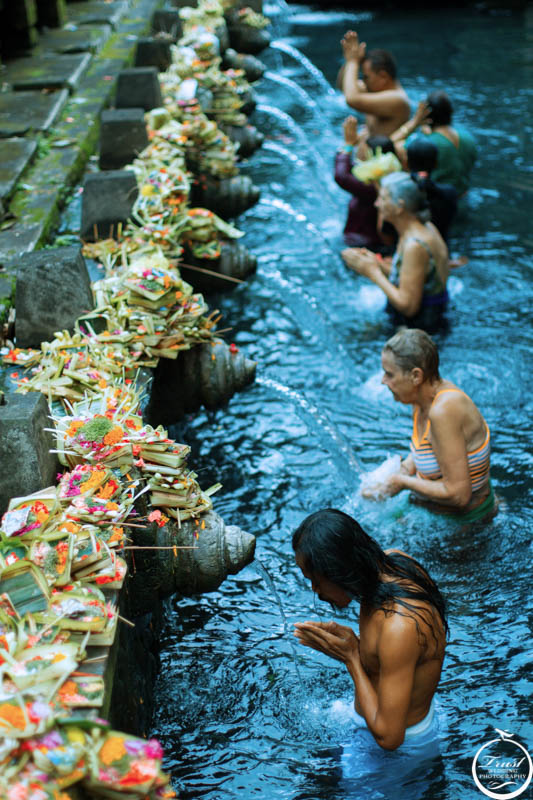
{"points": [[208, 375], [27, 464], [52, 290], [108, 198], [167, 21], [138, 88], [123, 136], [152, 52], [52, 13]]}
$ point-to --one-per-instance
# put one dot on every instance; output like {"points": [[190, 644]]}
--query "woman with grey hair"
{"points": [[448, 468], [415, 281]]}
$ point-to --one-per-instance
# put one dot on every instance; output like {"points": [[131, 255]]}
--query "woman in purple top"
{"points": [[361, 229]]}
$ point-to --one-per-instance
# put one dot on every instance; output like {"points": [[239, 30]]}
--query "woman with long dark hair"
{"points": [[395, 662]]}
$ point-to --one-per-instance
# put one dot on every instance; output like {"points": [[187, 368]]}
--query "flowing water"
{"points": [[231, 711]]}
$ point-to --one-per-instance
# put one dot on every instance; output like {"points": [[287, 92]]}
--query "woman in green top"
{"points": [[456, 146]]}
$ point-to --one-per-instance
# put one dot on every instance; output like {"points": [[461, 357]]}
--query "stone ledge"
{"points": [[73, 139]]}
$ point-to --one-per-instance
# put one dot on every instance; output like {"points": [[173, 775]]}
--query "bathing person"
{"points": [[360, 229], [415, 282], [395, 662], [379, 95], [455, 145], [448, 466], [442, 198]]}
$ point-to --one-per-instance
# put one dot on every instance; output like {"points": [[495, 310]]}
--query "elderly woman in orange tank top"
{"points": [[448, 466]]}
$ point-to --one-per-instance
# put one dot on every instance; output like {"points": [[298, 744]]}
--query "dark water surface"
{"points": [[233, 718]]}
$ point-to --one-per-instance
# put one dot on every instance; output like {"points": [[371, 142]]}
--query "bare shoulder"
{"points": [[450, 401]]}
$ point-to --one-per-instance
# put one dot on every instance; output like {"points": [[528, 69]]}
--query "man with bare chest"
{"points": [[396, 661], [379, 94]]}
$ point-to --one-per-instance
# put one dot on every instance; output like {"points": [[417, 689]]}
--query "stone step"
{"points": [[48, 71], [15, 155], [83, 40], [24, 111], [92, 13]]}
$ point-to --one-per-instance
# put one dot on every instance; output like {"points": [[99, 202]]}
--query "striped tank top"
{"points": [[427, 466]]}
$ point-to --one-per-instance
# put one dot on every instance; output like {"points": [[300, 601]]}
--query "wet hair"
{"points": [[422, 156], [335, 546], [383, 142], [382, 60], [403, 188], [412, 347], [440, 108]]}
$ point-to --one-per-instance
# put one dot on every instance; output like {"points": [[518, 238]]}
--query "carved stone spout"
{"points": [[208, 375], [213, 551]]}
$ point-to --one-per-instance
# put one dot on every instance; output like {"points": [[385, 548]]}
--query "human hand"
{"points": [[334, 640], [394, 484], [352, 48], [349, 127], [422, 114], [361, 260]]}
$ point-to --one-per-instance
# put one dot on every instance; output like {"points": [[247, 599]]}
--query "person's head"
{"points": [[338, 557], [399, 193], [383, 143], [440, 109], [409, 359], [344, 562], [422, 155], [379, 70]]}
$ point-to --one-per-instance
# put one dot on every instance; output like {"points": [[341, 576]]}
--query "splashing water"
{"points": [[298, 56]]}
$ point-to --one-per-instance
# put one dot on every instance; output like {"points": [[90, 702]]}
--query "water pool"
{"points": [[233, 717]]}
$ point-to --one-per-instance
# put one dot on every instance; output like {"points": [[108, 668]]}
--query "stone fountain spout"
{"points": [[206, 552]]}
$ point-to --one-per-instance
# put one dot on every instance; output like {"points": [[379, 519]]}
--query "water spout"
{"points": [[306, 64], [345, 459], [306, 310], [262, 570], [286, 208], [323, 172], [282, 151], [306, 100]]}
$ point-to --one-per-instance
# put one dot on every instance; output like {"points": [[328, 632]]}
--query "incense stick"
{"points": [[212, 272]]}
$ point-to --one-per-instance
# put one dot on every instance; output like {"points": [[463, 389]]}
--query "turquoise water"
{"points": [[232, 714]]}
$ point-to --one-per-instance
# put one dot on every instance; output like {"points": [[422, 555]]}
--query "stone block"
{"points": [[123, 135], [53, 289], [23, 14], [82, 40], [167, 21], [21, 238], [27, 464], [152, 52], [97, 13], [49, 71], [15, 155], [108, 199], [23, 111], [52, 13], [138, 87]]}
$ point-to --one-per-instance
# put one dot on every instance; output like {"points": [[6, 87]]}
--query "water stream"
{"points": [[231, 712]]}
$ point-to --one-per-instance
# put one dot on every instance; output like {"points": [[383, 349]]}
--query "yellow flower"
{"points": [[114, 435], [112, 750], [75, 735], [13, 715]]}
